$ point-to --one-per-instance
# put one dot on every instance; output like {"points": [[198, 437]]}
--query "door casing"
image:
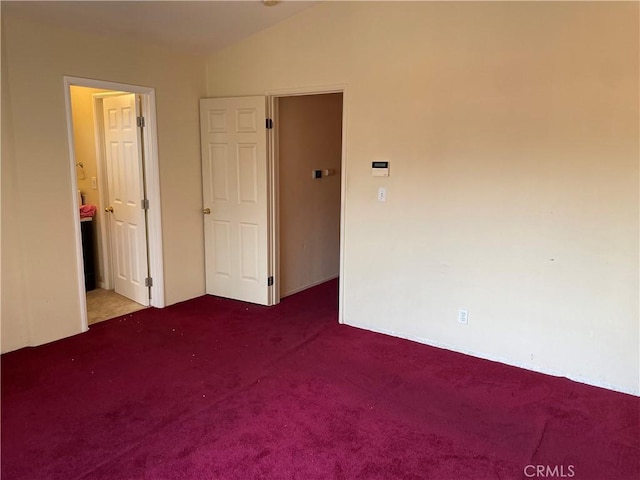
{"points": [[152, 176]]}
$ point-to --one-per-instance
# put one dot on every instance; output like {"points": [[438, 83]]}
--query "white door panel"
{"points": [[234, 172], [124, 178]]}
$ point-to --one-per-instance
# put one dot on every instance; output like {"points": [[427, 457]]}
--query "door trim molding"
{"points": [[150, 141], [272, 146]]}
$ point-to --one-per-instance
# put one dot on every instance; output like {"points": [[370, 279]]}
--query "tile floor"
{"points": [[106, 304]]}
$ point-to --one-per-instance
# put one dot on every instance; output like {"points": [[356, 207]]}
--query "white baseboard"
{"points": [[300, 289], [494, 358]]}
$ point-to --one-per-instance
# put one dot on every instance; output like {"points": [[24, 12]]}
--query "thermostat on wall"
{"points": [[380, 169]]}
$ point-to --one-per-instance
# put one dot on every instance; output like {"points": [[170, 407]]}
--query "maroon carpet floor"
{"points": [[218, 389]]}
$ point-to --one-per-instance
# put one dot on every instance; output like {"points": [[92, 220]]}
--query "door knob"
{"points": [[206, 211], [109, 209]]}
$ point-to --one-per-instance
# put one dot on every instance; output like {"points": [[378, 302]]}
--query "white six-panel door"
{"points": [[124, 177], [235, 210]]}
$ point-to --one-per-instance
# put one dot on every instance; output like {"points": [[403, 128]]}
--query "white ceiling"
{"points": [[196, 27]]}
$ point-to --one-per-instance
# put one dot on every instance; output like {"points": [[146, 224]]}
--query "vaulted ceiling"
{"points": [[195, 27]]}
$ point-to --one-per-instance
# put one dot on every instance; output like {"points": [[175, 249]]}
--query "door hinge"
{"points": [[140, 121], [269, 123], [145, 203], [269, 281], [148, 282]]}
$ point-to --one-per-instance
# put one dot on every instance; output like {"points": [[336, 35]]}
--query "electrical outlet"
{"points": [[463, 316]]}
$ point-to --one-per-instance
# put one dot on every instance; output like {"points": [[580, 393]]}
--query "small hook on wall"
{"points": [[81, 174]]}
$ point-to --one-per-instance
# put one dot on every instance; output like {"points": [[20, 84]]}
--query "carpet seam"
{"points": [[539, 444]]}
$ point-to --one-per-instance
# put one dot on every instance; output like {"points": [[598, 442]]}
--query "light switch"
{"points": [[94, 183], [382, 194]]}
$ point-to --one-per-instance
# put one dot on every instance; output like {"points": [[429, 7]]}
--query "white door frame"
{"points": [[152, 174], [273, 183]]}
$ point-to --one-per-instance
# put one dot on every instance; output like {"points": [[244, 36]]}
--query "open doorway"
{"points": [[115, 184], [309, 161], [244, 181], [103, 300]]}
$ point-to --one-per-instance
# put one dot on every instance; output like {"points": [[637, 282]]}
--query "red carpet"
{"points": [[217, 389]]}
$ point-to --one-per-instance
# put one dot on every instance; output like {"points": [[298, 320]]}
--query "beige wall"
{"points": [[13, 301], [309, 138], [512, 132], [84, 138], [40, 287]]}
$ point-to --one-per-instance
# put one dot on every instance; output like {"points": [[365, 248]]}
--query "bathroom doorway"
{"points": [[116, 183]]}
